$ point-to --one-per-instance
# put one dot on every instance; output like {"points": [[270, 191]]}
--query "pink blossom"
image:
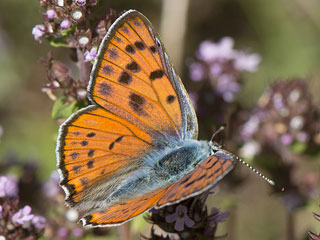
{"points": [[51, 14], [247, 62], [38, 31], [8, 186], [210, 51], [23, 215], [90, 55], [65, 24], [197, 71]]}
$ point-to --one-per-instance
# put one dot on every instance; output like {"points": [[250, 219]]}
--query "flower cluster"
{"points": [[284, 127], [17, 223], [67, 23], [71, 24], [188, 219], [63, 222], [284, 116], [61, 82], [222, 65]]}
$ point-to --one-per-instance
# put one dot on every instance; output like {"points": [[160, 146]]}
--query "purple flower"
{"points": [[38, 222], [23, 215], [51, 188], [286, 139], [77, 232], [51, 14], [38, 31], [81, 3], [180, 218], [302, 137], [250, 127], [210, 51], [1, 211], [278, 101], [65, 24], [197, 71], [90, 55], [63, 232], [216, 216], [227, 87], [247, 62], [8, 186]]}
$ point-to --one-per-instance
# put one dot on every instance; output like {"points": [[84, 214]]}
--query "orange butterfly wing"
{"points": [[203, 177], [93, 146], [125, 211], [133, 78]]}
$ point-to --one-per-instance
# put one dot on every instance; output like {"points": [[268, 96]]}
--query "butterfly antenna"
{"points": [[221, 128], [271, 182]]}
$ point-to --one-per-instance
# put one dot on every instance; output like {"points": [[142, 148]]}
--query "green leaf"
{"points": [[62, 109], [57, 42], [139, 223], [66, 32], [298, 147]]}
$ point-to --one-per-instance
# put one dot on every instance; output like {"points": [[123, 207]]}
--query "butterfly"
{"points": [[135, 148]]}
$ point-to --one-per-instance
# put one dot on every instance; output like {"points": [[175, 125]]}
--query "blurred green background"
{"points": [[285, 33]]}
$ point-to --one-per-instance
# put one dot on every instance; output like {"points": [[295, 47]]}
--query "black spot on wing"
{"points": [[91, 153], [84, 143], [113, 53], [84, 181], [90, 135], [185, 180], [137, 103], [202, 177], [139, 45], [119, 139], [104, 89], [125, 78], [170, 99], [156, 74], [125, 29], [190, 183], [74, 155], [153, 49], [111, 146], [107, 69], [130, 49], [133, 67], [90, 164], [137, 23], [76, 168]]}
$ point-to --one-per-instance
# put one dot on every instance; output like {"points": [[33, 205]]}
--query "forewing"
{"points": [[133, 78], [203, 177]]}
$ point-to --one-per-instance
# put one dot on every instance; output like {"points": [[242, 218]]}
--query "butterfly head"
{"points": [[217, 150]]}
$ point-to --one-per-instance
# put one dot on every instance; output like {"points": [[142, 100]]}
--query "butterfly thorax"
{"points": [[180, 160]]}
